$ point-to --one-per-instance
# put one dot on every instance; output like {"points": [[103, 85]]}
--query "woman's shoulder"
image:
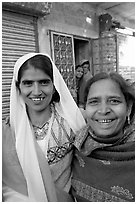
{"points": [[6, 128], [81, 137], [6, 123], [61, 120]]}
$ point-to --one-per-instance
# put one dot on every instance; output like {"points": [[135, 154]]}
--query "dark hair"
{"points": [[40, 62], [85, 62], [78, 66], [126, 89]]}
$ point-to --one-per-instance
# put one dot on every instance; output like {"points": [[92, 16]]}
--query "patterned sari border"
{"points": [[92, 194]]}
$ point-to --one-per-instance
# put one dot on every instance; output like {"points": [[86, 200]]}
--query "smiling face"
{"points": [[106, 108], [36, 88], [86, 68], [79, 72]]}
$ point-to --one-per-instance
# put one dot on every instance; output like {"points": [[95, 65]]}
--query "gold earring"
{"points": [[128, 120]]}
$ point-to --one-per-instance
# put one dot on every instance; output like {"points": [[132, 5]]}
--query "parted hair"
{"points": [[43, 63]]}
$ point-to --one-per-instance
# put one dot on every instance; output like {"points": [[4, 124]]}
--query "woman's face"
{"points": [[106, 108], [79, 72], [36, 88], [85, 68]]}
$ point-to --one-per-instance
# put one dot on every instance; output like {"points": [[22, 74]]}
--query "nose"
{"points": [[104, 109], [36, 89]]}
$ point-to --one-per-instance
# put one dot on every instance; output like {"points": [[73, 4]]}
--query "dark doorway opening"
{"points": [[82, 49]]}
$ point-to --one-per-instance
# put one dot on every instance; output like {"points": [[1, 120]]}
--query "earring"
{"points": [[128, 120]]}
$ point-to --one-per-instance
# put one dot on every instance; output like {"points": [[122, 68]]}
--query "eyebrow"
{"points": [[30, 80], [27, 80], [97, 97], [92, 98]]}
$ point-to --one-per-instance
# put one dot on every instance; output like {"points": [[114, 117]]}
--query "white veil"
{"points": [[25, 144]]}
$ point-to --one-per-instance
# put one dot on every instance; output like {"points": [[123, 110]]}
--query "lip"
{"points": [[105, 123], [37, 100]]}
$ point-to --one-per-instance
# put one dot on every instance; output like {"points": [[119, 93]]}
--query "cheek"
{"points": [[121, 112], [48, 90], [89, 111], [24, 92]]}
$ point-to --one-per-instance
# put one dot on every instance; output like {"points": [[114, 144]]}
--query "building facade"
{"points": [[67, 31]]}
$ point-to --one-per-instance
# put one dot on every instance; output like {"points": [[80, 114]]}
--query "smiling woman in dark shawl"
{"points": [[104, 162]]}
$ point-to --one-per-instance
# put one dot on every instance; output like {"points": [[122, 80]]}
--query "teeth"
{"points": [[37, 99], [104, 121]]}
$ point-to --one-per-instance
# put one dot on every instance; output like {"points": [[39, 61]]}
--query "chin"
{"points": [[103, 134], [39, 109]]}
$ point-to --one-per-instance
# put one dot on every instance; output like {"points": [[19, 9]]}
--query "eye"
{"points": [[27, 83], [114, 101], [45, 82], [93, 102]]}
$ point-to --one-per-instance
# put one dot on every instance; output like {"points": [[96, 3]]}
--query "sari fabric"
{"points": [[104, 172], [11, 169], [29, 164], [13, 176]]}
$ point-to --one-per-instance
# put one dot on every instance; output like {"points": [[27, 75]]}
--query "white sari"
{"points": [[37, 187]]}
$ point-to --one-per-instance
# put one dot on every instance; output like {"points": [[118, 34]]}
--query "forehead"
{"points": [[85, 65], [34, 74], [79, 69], [105, 87]]}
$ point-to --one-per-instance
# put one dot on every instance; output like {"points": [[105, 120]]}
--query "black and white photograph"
{"points": [[68, 101]]}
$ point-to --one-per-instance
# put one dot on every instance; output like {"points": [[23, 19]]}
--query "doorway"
{"points": [[82, 49]]}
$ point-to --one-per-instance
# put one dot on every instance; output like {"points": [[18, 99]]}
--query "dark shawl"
{"points": [[104, 172]]}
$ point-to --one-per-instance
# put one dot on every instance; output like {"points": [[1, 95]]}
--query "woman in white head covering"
{"points": [[38, 138]]}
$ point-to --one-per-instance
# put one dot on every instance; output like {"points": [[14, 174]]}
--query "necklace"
{"points": [[40, 132]]}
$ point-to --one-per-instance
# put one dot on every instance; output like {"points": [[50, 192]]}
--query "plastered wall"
{"points": [[75, 18]]}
